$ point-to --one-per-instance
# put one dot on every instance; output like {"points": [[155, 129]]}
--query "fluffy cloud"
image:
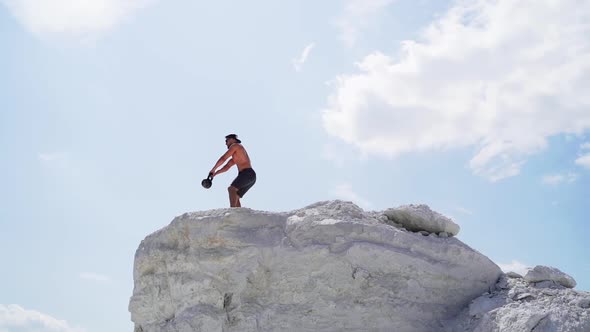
{"points": [[72, 17], [298, 63], [356, 16], [499, 76], [13, 316], [515, 266], [584, 161]]}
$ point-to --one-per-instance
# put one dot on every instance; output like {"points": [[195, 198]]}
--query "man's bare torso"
{"points": [[240, 156]]}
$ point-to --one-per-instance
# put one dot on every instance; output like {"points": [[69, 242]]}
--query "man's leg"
{"points": [[234, 199], [239, 196]]}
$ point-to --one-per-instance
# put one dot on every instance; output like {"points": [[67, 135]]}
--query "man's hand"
{"points": [[224, 169]]}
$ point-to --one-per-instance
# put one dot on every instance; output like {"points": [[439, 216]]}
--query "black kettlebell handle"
{"points": [[206, 183]]}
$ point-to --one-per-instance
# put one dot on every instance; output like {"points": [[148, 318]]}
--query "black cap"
{"points": [[234, 136]]}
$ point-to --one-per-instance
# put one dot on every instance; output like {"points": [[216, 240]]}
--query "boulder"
{"points": [[418, 218], [328, 267], [511, 274], [545, 273]]}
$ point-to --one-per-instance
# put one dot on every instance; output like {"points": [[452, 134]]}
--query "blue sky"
{"points": [[111, 113]]}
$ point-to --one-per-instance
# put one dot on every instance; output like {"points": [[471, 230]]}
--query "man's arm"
{"points": [[225, 167], [223, 158]]}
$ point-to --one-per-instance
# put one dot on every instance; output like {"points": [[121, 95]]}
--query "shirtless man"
{"points": [[246, 176]]}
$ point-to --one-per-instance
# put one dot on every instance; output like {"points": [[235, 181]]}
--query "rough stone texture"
{"points": [[523, 307], [584, 302], [328, 267], [503, 282], [418, 218], [544, 273], [513, 275]]}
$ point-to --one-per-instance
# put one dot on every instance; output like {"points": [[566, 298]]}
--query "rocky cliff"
{"points": [[327, 267]]}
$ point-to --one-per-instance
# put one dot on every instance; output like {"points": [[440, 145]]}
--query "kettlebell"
{"points": [[206, 183]]}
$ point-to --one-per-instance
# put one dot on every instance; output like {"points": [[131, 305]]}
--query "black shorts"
{"points": [[244, 181]]}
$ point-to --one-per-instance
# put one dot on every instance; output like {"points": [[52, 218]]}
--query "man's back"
{"points": [[240, 156]]}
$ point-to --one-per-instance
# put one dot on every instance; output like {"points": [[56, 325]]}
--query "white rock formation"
{"points": [[328, 267], [421, 218], [545, 273], [516, 305]]}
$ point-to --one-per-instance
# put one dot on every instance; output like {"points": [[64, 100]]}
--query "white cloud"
{"points": [[584, 158], [298, 63], [498, 76], [584, 161], [515, 266], [72, 17], [13, 316], [556, 179], [358, 14], [95, 277], [345, 192]]}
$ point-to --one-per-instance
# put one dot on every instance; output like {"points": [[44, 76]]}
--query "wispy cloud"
{"points": [[463, 210], [60, 164], [584, 157], [341, 154], [72, 17], [357, 15], [49, 157], [55, 160], [344, 191], [473, 80], [556, 179], [298, 63], [96, 277], [13, 316], [515, 266]]}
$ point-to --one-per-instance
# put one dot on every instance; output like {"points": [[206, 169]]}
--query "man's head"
{"points": [[231, 139]]}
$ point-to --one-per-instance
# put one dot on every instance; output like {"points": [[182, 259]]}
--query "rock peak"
{"points": [[328, 266]]}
